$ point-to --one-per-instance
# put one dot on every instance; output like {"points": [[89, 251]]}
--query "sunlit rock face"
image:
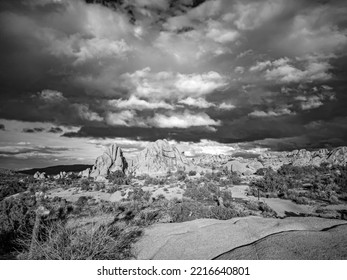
{"points": [[159, 158], [110, 161]]}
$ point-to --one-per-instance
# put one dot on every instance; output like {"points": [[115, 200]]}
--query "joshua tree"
{"points": [[41, 212]]}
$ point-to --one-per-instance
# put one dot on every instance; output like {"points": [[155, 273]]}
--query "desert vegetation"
{"points": [[303, 184], [87, 228], [81, 218]]}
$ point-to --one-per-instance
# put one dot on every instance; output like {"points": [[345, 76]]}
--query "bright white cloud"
{"points": [[226, 106], [197, 102], [183, 120], [139, 104], [123, 118], [169, 85]]}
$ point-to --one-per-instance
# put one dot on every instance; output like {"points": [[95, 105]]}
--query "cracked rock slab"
{"points": [[208, 238]]}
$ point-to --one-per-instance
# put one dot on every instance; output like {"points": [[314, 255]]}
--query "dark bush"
{"points": [[118, 178]]}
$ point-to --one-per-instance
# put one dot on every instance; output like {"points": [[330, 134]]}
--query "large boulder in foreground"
{"points": [[110, 161], [183, 241], [158, 158]]}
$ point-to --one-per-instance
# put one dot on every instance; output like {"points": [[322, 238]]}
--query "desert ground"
{"points": [[163, 205]]}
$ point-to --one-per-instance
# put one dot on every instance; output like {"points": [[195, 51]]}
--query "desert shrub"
{"points": [[60, 242], [85, 185], [138, 194], [181, 175], [11, 184], [191, 210], [252, 205], [199, 193], [262, 171], [113, 188], [192, 173], [153, 181], [341, 178], [81, 201], [118, 178], [234, 178], [17, 217], [301, 200], [334, 199]]}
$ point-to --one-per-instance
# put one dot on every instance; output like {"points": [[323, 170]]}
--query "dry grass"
{"points": [[59, 242]]}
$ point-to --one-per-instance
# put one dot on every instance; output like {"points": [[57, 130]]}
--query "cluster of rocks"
{"points": [[275, 160], [62, 175], [158, 158], [40, 175]]}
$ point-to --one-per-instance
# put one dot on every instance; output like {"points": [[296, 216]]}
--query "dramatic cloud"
{"points": [[258, 74], [85, 113]]}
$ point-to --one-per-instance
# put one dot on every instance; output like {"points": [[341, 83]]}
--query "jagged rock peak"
{"points": [[110, 161]]}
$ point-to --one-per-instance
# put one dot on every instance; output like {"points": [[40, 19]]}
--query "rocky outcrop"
{"points": [[275, 160], [243, 166], [158, 158], [85, 173], [39, 175], [110, 161]]}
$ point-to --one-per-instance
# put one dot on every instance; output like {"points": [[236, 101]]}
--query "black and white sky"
{"points": [[214, 76]]}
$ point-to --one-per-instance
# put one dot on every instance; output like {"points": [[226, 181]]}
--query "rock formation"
{"points": [[84, 173], [110, 161], [158, 158], [244, 166], [39, 175], [275, 160]]}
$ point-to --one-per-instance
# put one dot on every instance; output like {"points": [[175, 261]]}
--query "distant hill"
{"points": [[52, 170]]}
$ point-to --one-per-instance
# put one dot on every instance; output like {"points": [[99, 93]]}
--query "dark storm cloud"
{"points": [[266, 73], [141, 133], [33, 130], [55, 129]]}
